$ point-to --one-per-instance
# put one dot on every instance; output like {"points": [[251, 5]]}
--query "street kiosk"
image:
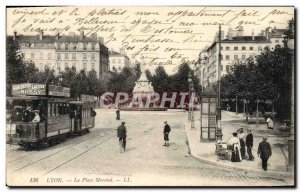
{"points": [[209, 99]]}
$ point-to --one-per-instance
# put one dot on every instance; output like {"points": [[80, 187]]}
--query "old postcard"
{"points": [[150, 96]]}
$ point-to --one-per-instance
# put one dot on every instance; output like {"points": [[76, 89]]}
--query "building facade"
{"points": [[235, 47], [59, 52], [118, 61]]}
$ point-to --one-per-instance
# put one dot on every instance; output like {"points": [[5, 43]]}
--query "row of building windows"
{"points": [[235, 57], [68, 46], [227, 68], [66, 56], [66, 64], [41, 56], [74, 56], [114, 60], [243, 48]]}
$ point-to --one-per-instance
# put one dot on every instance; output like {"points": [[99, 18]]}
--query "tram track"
{"points": [[34, 152], [78, 155], [52, 154], [71, 147]]}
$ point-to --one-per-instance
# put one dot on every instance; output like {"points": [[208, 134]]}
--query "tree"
{"points": [[267, 79], [15, 66], [123, 81], [161, 80]]}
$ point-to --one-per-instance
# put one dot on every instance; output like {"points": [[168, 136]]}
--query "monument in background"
{"points": [[142, 91]]}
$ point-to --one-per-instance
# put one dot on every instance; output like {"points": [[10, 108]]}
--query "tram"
{"points": [[45, 114]]}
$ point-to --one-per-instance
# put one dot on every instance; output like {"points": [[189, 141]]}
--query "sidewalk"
{"points": [[205, 151]]}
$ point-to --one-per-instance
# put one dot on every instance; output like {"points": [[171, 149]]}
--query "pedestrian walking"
{"points": [[118, 114], [122, 134], [249, 144], [234, 143], [242, 143], [264, 152], [270, 123], [166, 132]]}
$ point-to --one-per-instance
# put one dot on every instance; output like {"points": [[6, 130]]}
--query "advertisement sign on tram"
{"points": [[59, 91], [28, 89], [39, 90]]}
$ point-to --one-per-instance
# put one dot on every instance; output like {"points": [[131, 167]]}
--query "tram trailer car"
{"points": [[59, 115]]}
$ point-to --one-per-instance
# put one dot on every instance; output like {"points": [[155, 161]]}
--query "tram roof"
{"points": [[26, 98]]}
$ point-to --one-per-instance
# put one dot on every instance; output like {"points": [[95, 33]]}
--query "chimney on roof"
{"points": [[94, 36], [15, 35], [41, 35], [222, 35], [268, 33], [121, 51], [81, 35], [71, 34], [253, 38], [101, 40], [240, 31], [230, 33], [57, 35], [216, 37]]}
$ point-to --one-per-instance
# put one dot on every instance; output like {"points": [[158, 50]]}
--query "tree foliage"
{"points": [[266, 78], [178, 82], [125, 80]]}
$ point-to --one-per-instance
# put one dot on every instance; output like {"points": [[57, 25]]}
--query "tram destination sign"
{"points": [[28, 89], [59, 91], [87, 98]]}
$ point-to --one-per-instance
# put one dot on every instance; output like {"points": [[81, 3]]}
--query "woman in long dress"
{"points": [[234, 142]]}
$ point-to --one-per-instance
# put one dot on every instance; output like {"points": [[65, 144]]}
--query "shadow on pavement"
{"points": [[130, 149]]}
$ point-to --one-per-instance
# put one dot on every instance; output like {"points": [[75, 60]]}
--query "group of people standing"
{"points": [[238, 145]]}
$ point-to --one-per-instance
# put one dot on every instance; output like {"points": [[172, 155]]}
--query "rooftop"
{"points": [[243, 39], [116, 54], [277, 32], [52, 39]]}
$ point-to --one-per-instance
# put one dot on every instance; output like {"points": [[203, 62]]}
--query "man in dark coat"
{"points": [[118, 114], [249, 144], [122, 133], [167, 130], [264, 152]]}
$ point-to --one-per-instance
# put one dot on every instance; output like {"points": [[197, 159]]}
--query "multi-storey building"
{"points": [[59, 52], [118, 61], [236, 47]]}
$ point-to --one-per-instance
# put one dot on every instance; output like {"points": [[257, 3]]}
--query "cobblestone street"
{"points": [[145, 162]]}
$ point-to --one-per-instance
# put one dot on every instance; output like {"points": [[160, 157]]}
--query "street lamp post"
{"points": [[291, 140], [192, 110], [189, 80]]}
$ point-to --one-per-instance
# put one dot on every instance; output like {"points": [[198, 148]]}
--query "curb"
{"points": [[274, 174]]}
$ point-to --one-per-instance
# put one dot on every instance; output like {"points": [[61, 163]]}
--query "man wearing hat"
{"points": [[167, 130], [122, 133], [249, 144], [264, 152]]}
